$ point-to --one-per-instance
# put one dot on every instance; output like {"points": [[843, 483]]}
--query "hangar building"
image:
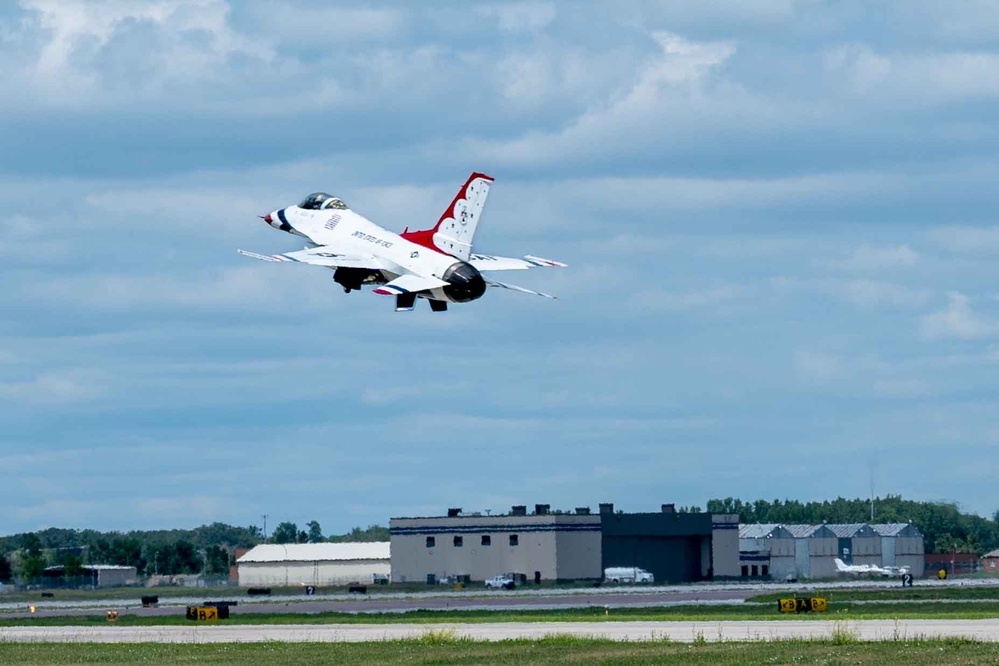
{"points": [[97, 575], [313, 564], [674, 547], [809, 551], [543, 546], [556, 546], [901, 546]]}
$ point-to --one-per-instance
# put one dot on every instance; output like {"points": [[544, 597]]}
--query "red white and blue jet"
{"points": [[436, 264]]}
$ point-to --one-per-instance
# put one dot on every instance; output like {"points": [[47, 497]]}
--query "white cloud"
{"points": [[519, 16], [325, 24], [959, 321], [915, 78], [900, 388], [239, 287], [654, 298], [818, 367], [862, 293], [674, 87], [70, 69], [966, 240], [55, 388], [867, 258], [872, 293]]}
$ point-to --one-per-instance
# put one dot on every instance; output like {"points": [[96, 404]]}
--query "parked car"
{"points": [[627, 575], [501, 582]]}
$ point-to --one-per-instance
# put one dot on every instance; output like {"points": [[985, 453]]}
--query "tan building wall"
{"points": [[578, 555], [560, 547], [725, 546], [116, 577]]}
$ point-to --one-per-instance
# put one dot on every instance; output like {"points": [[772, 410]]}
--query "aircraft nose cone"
{"points": [[266, 218]]}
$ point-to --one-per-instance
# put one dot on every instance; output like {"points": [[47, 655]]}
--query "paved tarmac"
{"points": [[868, 630], [633, 598]]}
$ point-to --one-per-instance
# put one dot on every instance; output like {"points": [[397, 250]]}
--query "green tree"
{"points": [[216, 561], [944, 527], [72, 565], [372, 533], [315, 532], [286, 532], [32, 562], [6, 572]]}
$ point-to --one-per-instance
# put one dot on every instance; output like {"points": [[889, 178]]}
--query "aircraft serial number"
{"points": [[372, 239]]}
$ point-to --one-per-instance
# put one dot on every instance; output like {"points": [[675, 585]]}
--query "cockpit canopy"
{"points": [[321, 201]]}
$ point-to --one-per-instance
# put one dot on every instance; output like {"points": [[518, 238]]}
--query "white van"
{"points": [[627, 575]]}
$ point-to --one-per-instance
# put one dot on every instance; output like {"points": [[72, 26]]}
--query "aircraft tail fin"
{"points": [[840, 564], [455, 230]]}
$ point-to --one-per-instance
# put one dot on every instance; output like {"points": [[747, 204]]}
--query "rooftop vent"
{"points": [[541, 509], [518, 510], [606, 508], [669, 508], [582, 510], [454, 513]]}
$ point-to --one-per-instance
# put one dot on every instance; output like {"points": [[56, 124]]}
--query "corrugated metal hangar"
{"points": [[809, 551], [578, 545], [313, 564]]}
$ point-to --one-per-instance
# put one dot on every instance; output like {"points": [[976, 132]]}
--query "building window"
{"points": [[755, 571], [745, 570], [765, 570], [459, 542], [487, 540], [431, 542], [514, 540]]}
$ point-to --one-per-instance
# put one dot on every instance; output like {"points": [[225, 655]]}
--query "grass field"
{"points": [[442, 650], [837, 610]]}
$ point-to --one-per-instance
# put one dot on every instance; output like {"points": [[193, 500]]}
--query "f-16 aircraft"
{"points": [[869, 569], [436, 264]]}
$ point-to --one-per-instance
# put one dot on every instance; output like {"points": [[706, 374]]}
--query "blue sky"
{"points": [[779, 218]]}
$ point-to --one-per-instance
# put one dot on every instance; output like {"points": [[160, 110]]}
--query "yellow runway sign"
{"points": [[797, 605]]}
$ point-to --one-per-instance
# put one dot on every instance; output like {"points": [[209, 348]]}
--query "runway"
{"points": [[868, 630], [633, 598]]}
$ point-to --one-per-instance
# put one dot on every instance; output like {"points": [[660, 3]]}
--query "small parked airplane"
{"points": [[436, 264], [869, 569]]}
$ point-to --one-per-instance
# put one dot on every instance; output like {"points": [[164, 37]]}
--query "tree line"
{"points": [[944, 526], [209, 549]]}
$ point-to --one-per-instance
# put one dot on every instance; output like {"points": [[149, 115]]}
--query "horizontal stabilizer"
{"points": [[513, 287], [410, 284], [486, 262]]}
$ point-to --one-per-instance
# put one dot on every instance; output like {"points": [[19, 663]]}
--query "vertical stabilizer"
{"points": [[455, 230]]}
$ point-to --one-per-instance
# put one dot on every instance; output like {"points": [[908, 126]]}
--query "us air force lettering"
{"points": [[436, 264]]}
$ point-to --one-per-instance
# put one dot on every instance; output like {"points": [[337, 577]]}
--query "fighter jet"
{"points": [[436, 264], [869, 569]]}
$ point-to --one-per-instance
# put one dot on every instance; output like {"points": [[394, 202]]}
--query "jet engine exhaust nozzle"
{"points": [[465, 282]]}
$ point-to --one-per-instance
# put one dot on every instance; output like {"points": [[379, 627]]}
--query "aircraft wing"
{"points": [[320, 256], [486, 262], [513, 287], [410, 284]]}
